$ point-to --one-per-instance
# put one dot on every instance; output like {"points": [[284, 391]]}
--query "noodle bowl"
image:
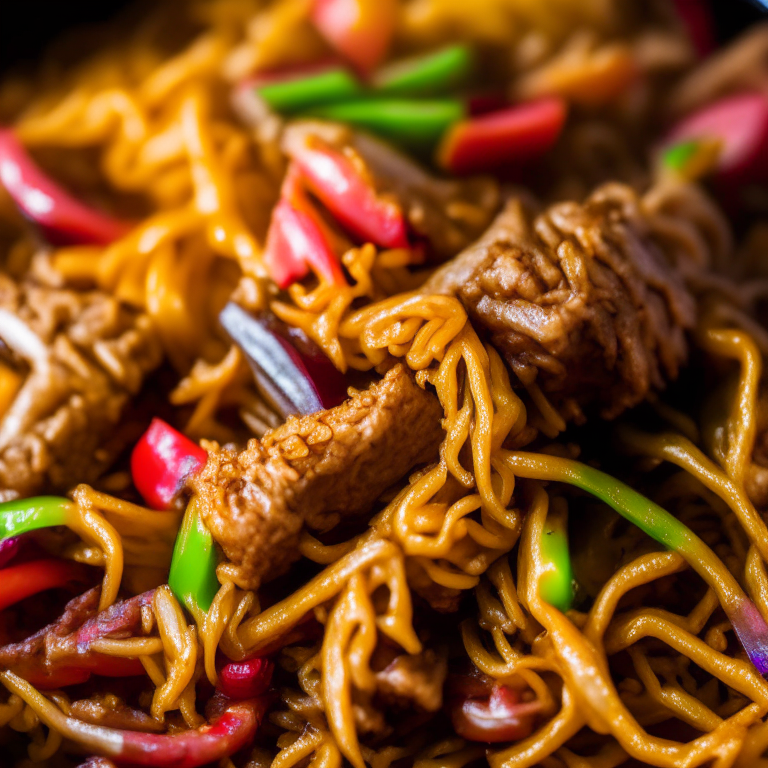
{"points": [[434, 562]]}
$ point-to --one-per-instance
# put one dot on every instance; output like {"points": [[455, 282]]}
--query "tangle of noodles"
{"points": [[448, 569]]}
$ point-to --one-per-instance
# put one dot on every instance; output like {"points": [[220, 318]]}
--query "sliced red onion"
{"points": [[293, 382]]}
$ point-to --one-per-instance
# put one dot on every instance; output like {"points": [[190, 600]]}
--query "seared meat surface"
{"points": [[82, 356], [579, 299], [314, 470]]}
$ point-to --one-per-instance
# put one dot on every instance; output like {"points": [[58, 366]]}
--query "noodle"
{"points": [[449, 571]]}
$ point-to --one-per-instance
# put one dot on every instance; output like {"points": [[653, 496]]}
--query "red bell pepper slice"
{"points": [[740, 124], [234, 729], [482, 709], [98, 664], [26, 579], [299, 240], [360, 30], [246, 679], [515, 135], [62, 219], [348, 192], [161, 461]]}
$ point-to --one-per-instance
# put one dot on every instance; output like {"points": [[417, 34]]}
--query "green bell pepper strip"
{"points": [[414, 124], [293, 94], [556, 584], [429, 75], [192, 577], [679, 155], [660, 525], [25, 515]]}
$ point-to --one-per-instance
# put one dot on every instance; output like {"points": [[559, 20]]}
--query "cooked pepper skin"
{"points": [[349, 194], [23, 515], [360, 30], [161, 461], [298, 239], [18, 582], [62, 219], [514, 135], [193, 567]]}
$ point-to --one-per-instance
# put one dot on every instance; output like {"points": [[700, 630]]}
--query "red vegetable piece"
{"points": [[298, 239], [349, 194], [360, 30], [62, 219], [234, 729], [246, 679], [161, 461], [740, 123], [103, 666], [697, 19], [515, 135], [26, 579]]}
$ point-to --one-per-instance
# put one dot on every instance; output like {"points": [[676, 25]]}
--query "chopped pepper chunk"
{"points": [[515, 135], [360, 30], [160, 462], [347, 190]]}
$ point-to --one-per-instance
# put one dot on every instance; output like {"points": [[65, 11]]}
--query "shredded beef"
{"points": [[314, 470], [414, 681], [579, 298], [85, 355]]}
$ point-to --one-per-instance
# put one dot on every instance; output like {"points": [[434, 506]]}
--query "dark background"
{"points": [[27, 26]]}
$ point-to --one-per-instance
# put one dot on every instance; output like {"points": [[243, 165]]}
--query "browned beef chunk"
{"points": [[83, 355], [313, 471], [579, 298]]}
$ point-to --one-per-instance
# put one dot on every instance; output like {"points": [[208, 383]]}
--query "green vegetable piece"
{"points": [[556, 585], [678, 156], [193, 566], [429, 75], [297, 94], [24, 515], [412, 124]]}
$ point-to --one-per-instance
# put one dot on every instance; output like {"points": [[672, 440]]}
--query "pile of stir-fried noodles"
{"points": [[381, 383]]}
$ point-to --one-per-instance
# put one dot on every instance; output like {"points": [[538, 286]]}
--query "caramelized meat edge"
{"points": [[314, 471], [82, 356], [580, 299]]}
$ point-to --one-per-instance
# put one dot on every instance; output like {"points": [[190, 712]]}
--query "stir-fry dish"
{"points": [[381, 384]]}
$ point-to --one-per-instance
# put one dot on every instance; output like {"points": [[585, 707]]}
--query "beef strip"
{"points": [[66, 642], [315, 470], [579, 298], [448, 214], [86, 354]]}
